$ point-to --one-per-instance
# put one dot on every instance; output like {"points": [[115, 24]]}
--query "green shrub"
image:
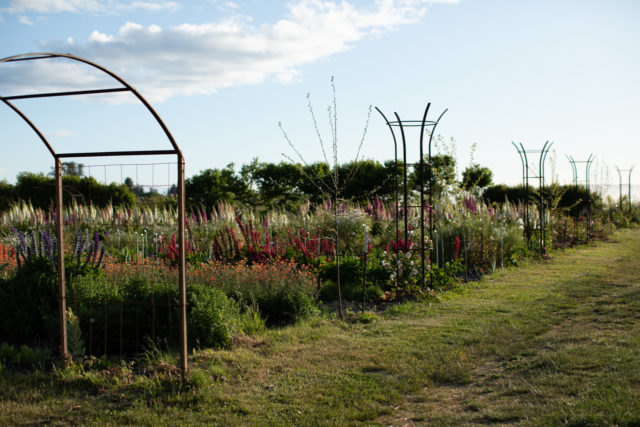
{"points": [[446, 277], [285, 304], [25, 357], [29, 304], [75, 343], [7, 353], [279, 290], [251, 321], [351, 277], [149, 310], [214, 320]]}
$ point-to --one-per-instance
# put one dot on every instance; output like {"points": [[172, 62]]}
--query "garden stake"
{"points": [[442, 246], [61, 278], [121, 325], [365, 249], [105, 327], [466, 263], [481, 248], [364, 280], [90, 327], [437, 251], [502, 244]]}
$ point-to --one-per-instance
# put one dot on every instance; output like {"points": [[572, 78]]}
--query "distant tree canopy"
{"points": [[443, 171], [476, 177], [69, 168], [286, 185], [572, 199], [261, 185], [7, 195], [40, 191], [212, 186]]}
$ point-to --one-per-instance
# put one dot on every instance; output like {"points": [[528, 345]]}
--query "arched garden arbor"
{"points": [[121, 86]]}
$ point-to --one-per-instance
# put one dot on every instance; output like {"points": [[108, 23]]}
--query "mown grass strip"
{"points": [[552, 342]]}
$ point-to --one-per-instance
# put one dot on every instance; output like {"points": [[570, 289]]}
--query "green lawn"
{"points": [[549, 343]]}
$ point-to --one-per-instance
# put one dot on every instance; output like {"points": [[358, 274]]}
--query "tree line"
{"points": [[264, 185]]}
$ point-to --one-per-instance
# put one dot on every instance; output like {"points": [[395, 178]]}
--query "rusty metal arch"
{"points": [[58, 173]]}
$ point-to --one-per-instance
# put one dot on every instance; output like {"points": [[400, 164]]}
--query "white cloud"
{"points": [[201, 58], [54, 6], [226, 4], [98, 37], [91, 6], [26, 21], [148, 5], [48, 76]]}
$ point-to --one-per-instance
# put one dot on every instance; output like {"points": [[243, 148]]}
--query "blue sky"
{"points": [[223, 74]]}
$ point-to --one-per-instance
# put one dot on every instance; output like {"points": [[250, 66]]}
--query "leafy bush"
{"points": [[24, 358], [281, 291], [150, 310], [351, 277], [446, 277], [29, 304], [213, 320], [75, 343]]}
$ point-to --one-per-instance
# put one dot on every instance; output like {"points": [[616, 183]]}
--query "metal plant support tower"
{"points": [[122, 87], [586, 182], [628, 183], [430, 126], [527, 175]]}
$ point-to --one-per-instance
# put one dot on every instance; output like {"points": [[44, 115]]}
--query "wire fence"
{"points": [[125, 309]]}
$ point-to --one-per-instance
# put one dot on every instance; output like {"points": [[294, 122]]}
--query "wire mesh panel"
{"points": [[125, 296]]}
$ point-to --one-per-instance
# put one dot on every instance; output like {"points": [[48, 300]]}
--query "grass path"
{"points": [[550, 343]]}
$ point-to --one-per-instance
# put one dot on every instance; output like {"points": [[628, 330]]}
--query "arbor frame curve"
{"points": [[423, 124], [125, 87]]}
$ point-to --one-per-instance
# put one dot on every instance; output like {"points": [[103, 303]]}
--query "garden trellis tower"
{"points": [[430, 127], [530, 174], [586, 182], [628, 183], [123, 86]]}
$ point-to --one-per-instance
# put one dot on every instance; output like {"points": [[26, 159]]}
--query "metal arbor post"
{"points": [[527, 174], [175, 150], [586, 182], [422, 124], [628, 182]]}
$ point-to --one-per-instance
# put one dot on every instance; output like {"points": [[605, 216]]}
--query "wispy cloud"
{"points": [[192, 59], [26, 21], [148, 5], [225, 5], [82, 6]]}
